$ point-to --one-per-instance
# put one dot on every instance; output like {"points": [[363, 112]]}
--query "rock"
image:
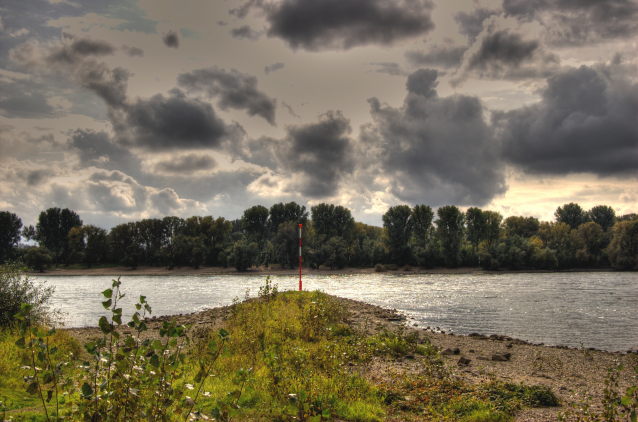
{"points": [[449, 351], [509, 345], [463, 361], [471, 350], [501, 357]]}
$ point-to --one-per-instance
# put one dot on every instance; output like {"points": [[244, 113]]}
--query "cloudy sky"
{"points": [[129, 109]]}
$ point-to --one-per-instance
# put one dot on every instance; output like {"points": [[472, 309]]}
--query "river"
{"points": [[578, 309]]}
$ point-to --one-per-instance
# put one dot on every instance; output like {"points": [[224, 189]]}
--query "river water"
{"points": [[588, 309]]}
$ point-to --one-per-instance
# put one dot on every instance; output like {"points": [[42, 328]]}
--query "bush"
{"points": [[17, 288], [37, 258]]}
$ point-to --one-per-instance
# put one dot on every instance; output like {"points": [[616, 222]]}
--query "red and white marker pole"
{"points": [[300, 259]]}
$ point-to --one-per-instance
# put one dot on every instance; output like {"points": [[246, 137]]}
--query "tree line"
{"points": [[415, 236]]}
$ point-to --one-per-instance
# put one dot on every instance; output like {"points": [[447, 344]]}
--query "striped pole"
{"points": [[300, 259]]}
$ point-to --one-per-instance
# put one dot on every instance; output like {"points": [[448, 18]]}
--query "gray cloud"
{"points": [[133, 51], [501, 54], [439, 56], [245, 32], [585, 122], [433, 150], [175, 121], [471, 24], [343, 24], [79, 49], [273, 67], [577, 22], [322, 152], [186, 164], [232, 88], [503, 48], [21, 98], [389, 68], [36, 177], [171, 39]]}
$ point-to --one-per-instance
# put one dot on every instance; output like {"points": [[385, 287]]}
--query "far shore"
{"points": [[180, 271]]}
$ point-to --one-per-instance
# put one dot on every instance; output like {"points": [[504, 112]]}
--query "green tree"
{"points": [[623, 248], [603, 215], [476, 226], [593, 240], [37, 258], [571, 214], [559, 238], [125, 245], [10, 225], [329, 220], [449, 230], [53, 228], [398, 224], [254, 223], [286, 244], [243, 254], [288, 212], [521, 226]]}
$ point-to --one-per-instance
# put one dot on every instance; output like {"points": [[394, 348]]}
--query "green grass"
{"points": [[289, 356]]}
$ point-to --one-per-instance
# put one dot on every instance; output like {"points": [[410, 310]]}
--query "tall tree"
{"points": [[288, 212], [398, 224], [603, 215], [329, 220], [623, 248], [10, 225], [422, 216], [521, 226], [254, 223], [476, 225], [53, 228], [492, 226], [571, 214], [449, 230]]}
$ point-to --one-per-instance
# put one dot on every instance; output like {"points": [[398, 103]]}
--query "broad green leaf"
{"points": [[108, 293]]}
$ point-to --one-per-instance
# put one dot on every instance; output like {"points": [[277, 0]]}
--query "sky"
{"points": [[124, 110]]}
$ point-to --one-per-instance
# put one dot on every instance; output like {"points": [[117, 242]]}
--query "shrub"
{"points": [[37, 258], [17, 288]]}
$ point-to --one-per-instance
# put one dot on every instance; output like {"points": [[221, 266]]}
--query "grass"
{"points": [[283, 357]]}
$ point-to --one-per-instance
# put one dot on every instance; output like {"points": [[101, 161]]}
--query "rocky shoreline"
{"points": [[575, 375]]}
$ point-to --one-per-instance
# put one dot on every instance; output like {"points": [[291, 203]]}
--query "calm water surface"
{"points": [[574, 309]]}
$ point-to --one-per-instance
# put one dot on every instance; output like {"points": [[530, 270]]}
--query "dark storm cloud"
{"points": [[585, 122], [434, 150], [322, 152], [471, 24], [438, 56], [175, 121], [232, 88], [171, 39], [245, 32], [273, 67], [579, 22], [186, 164], [343, 24], [503, 48]]}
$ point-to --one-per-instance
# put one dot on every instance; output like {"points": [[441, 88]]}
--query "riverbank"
{"points": [[573, 375], [204, 271]]}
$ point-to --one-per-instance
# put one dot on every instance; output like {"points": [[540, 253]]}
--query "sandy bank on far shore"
{"points": [[164, 271]]}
